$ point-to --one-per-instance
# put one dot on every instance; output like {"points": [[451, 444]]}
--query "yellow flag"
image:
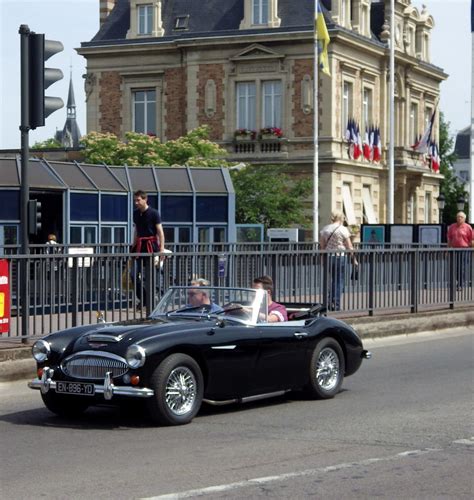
{"points": [[322, 35]]}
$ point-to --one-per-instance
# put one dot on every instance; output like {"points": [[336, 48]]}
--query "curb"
{"points": [[16, 363]]}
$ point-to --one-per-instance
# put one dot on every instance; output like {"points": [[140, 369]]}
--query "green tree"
{"points": [[450, 186], [266, 195], [51, 143], [194, 149]]}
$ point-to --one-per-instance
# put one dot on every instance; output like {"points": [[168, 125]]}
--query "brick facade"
{"points": [[110, 99], [175, 103], [215, 122]]}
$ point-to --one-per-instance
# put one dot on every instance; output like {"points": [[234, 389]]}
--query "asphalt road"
{"points": [[401, 428]]}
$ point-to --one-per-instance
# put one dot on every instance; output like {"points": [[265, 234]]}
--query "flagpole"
{"points": [[315, 132], [391, 139]]}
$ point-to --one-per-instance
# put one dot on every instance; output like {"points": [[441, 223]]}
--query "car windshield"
{"points": [[240, 304]]}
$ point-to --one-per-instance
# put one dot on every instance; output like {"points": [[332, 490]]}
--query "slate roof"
{"points": [[463, 144], [206, 18]]}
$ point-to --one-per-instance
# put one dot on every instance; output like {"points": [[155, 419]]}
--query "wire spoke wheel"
{"points": [[179, 386], [180, 392], [327, 369]]}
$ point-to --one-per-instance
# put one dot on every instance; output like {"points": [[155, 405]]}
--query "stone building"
{"points": [[165, 67]]}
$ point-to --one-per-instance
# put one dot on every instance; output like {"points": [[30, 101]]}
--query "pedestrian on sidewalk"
{"points": [[336, 238], [148, 238], [460, 236]]}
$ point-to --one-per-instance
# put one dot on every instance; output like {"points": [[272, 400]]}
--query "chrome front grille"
{"points": [[94, 366]]}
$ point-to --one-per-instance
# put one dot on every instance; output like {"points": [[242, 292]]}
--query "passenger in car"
{"points": [[276, 312]]}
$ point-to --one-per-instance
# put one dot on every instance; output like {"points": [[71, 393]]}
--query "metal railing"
{"points": [[67, 289]]}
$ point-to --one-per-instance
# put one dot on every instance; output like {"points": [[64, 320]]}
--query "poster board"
{"points": [[401, 234], [373, 234]]}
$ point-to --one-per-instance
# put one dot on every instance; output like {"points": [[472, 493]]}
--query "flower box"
{"points": [[269, 137], [243, 137]]}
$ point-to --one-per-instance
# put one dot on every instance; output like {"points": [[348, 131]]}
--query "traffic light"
{"points": [[40, 78], [34, 217]]}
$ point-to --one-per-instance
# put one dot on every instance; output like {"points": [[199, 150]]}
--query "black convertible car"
{"points": [[200, 344]]}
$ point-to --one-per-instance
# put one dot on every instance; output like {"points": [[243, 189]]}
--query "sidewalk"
{"points": [[16, 362]]}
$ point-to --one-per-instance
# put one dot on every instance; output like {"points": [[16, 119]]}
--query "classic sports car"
{"points": [[200, 344]]}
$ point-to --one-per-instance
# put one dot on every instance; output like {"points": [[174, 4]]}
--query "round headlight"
{"points": [[41, 350], [135, 356]]}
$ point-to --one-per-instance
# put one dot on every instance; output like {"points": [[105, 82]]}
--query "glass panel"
{"points": [[113, 208], [152, 201], [84, 207], [119, 235], [204, 235], [151, 117], [149, 14], [246, 112], [89, 235], [10, 235], [10, 205], [177, 208], [272, 104], [75, 235], [169, 234], [184, 234], [264, 18], [139, 117], [219, 235], [106, 235], [211, 209]]}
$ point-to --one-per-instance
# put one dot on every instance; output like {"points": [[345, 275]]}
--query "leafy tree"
{"points": [[450, 186], [51, 143], [193, 149], [266, 195]]}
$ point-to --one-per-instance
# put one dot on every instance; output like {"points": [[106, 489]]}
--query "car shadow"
{"points": [[135, 416]]}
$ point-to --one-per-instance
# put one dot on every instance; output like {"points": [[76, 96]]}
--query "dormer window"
{"points": [[181, 23], [260, 12], [145, 19]]}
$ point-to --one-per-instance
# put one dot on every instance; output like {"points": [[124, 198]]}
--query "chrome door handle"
{"points": [[300, 335]]}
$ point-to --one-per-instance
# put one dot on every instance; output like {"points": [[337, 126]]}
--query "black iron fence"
{"points": [[68, 285]]}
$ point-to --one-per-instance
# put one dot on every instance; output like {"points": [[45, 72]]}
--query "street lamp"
{"points": [[441, 203], [460, 203]]}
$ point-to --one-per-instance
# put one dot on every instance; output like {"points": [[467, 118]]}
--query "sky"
{"points": [[76, 21]]}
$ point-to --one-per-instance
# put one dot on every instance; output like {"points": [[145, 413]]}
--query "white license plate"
{"points": [[75, 388]]}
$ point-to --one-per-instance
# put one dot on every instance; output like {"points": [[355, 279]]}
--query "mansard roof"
{"points": [[463, 144], [206, 18]]}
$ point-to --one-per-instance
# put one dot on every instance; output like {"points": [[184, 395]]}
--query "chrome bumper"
{"points": [[108, 389]]}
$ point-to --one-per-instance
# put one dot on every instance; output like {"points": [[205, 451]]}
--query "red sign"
{"points": [[4, 297]]}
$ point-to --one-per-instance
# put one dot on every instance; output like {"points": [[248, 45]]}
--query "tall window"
{"points": [[260, 12], [246, 105], [259, 104], [144, 111], [413, 128], [145, 19], [272, 104], [346, 104], [366, 109], [428, 113]]}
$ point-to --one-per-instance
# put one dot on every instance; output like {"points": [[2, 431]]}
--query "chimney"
{"points": [[106, 7]]}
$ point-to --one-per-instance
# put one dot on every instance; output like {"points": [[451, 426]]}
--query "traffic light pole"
{"points": [[25, 187]]}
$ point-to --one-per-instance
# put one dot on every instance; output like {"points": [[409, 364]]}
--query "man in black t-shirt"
{"points": [[148, 238]]}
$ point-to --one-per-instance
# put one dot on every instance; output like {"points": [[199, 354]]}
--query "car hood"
{"points": [[117, 337]]}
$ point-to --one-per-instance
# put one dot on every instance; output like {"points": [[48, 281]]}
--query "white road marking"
{"points": [[291, 475], [469, 441]]}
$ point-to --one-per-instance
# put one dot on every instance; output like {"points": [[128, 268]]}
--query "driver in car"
{"points": [[199, 296]]}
